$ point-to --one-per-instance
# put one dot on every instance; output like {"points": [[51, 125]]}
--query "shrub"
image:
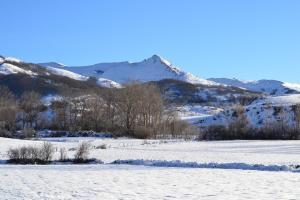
{"points": [[82, 152], [46, 152], [215, 132], [31, 154]]}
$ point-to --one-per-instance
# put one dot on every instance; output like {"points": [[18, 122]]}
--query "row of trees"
{"points": [[136, 110]]}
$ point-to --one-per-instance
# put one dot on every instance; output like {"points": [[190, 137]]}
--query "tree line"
{"points": [[137, 110]]}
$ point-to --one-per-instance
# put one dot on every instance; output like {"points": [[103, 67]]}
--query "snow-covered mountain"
{"points": [[203, 102], [154, 68], [272, 87]]}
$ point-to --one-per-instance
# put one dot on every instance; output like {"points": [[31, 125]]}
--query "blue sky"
{"points": [[246, 39]]}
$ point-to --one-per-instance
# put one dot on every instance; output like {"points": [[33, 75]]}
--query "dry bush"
{"points": [[31, 154], [46, 152], [215, 132], [82, 152]]}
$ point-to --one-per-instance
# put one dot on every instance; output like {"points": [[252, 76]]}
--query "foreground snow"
{"points": [[130, 182], [153, 169]]}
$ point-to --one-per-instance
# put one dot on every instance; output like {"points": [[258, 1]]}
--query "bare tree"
{"points": [[239, 125], [297, 116], [82, 152], [60, 108], [8, 109], [31, 105], [140, 107]]}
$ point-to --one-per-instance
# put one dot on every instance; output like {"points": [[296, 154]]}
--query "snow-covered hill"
{"points": [[9, 65], [263, 111], [272, 87], [154, 68]]}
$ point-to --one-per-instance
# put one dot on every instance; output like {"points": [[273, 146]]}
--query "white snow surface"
{"points": [[194, 113], [248, 152], [147, 177], [152, 69], [293, 86], [283, 100], [108, 83], [96, 182]]}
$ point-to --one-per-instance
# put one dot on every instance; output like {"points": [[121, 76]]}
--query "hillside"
{"points": [[20, 76]]}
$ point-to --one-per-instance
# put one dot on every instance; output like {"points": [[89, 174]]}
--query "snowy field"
{"points": [[236, 173]]}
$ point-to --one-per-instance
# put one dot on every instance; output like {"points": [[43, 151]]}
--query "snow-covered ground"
{"points": [[249, 152], [107, 182], [237, 170], [194, 113]]}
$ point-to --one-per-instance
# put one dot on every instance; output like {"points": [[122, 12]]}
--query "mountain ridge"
{"points": [[271, 87], [154, 68]]}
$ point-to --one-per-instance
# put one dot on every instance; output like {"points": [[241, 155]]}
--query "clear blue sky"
{"points": [[247, 39]]}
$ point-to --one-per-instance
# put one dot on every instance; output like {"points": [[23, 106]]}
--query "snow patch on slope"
{"points": [[195, 113], [67, 73], [108, 83], [7, 69], [11, 59], [284, 100], [293, 86], [52, 64]]}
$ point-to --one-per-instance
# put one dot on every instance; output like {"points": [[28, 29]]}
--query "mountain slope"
{"points": [[152, 69], [271, 87], [20, 76]]}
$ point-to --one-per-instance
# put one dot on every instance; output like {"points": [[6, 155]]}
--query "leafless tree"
{"points": [[240, 122], [8, 109], [31, 106]]}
